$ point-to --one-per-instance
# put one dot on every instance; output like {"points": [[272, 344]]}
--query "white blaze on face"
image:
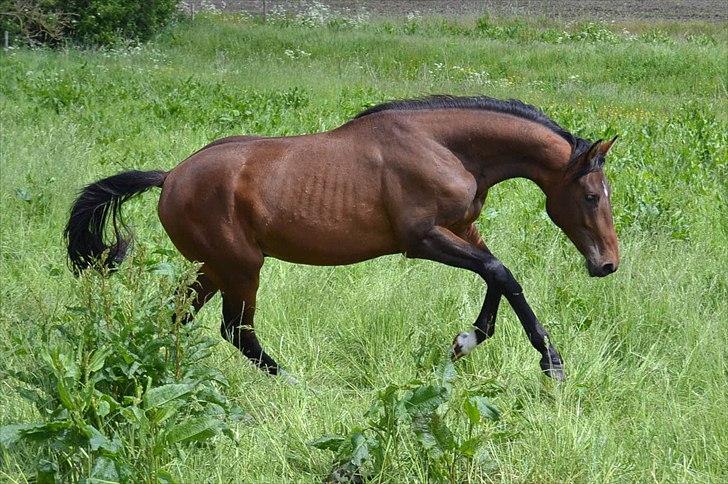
{"points": [[604, 186]]}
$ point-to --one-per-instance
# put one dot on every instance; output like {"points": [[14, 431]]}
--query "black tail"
{"points": [[85, 229]]}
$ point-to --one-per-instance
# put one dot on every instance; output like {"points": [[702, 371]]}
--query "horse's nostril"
{"points": [[608, 268]]}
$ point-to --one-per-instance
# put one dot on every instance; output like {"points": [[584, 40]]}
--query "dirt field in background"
{"points": [[712, 10]]}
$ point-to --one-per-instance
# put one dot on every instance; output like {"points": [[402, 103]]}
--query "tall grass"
{"points": [[646, 349]]}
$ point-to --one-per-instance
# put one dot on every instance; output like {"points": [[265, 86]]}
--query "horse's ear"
{"points": [[590, 160], [594, 151], [604, 146]]}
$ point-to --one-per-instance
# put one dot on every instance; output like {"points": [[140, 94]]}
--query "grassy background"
{"points": [[645, 349]]}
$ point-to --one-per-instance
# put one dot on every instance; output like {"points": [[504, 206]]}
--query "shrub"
{"points": [[447, 428], [119, 390], [87, 22]]}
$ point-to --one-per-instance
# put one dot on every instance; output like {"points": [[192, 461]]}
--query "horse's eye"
{"points": [[592, 198]]}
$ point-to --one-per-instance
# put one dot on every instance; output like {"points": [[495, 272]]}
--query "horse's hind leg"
{"points": [[203, 290], [239, 286], [238, 309]]}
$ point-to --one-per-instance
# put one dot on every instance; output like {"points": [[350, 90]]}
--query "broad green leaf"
{"points": [[46, 430], [154, 397], [202, 350], [96, 362], [471, 410], [442, 433], [211, 395], [448, 374], [195, 429], [105, 397], [47, 472], [383, 406], [165, 477], [32, 396], [478, 408], [48, 357], [104, 471], [68, 367], [424, 399], [384, 398], [360, 447], [164, 269], [133, 415], [65, 395], [471, 446], [160, 414], [328, 442], [11, 434], [97, 440], [421, 428], [103, 408]]}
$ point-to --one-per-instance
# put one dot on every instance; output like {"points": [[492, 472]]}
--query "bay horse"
{"points": [[407, 177]]}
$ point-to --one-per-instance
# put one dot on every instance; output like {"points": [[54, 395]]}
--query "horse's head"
{"points": [[580, 206]]}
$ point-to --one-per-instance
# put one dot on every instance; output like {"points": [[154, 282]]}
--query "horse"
{"points": [[406, 176]]}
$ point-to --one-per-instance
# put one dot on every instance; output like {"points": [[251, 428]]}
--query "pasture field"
{"points": [[646, 349]]}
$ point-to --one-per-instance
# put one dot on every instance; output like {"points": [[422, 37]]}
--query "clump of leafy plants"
{"points": [[119, 388], [88, 22], [427, 410]]}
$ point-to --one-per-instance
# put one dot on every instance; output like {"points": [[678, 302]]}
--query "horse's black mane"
{"points": [[513, 107]]}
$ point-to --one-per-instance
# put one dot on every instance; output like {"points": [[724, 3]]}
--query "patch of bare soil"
{"points": [[706, 10]]}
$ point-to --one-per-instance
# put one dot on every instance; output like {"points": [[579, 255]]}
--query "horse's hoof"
{"points": [[463, 344], [553, 367]]}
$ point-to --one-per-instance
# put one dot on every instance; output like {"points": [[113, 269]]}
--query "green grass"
{"points": [[646, 349]]}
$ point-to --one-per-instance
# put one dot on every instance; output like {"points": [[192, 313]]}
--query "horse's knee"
{"points": [[499, 275]]}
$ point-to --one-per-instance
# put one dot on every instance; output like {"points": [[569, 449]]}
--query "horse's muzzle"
{"points": [[601, 270]]}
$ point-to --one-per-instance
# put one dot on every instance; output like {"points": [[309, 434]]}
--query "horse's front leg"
{"points": [[551, 362], [441, 245], [484, 325]]}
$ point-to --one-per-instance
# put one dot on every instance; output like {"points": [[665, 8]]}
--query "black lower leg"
{"points": [[240, 333], [551, 362], [485, 322], [483, 327], [246, 341]]}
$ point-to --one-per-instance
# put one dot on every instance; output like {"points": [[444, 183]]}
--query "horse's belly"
{"points": [[326, 242]]}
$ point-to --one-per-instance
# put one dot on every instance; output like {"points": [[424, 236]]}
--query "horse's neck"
{"points": [[496, 147]]}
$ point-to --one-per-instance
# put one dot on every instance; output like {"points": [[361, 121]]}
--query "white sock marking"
{"points": [[467, 342]]}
